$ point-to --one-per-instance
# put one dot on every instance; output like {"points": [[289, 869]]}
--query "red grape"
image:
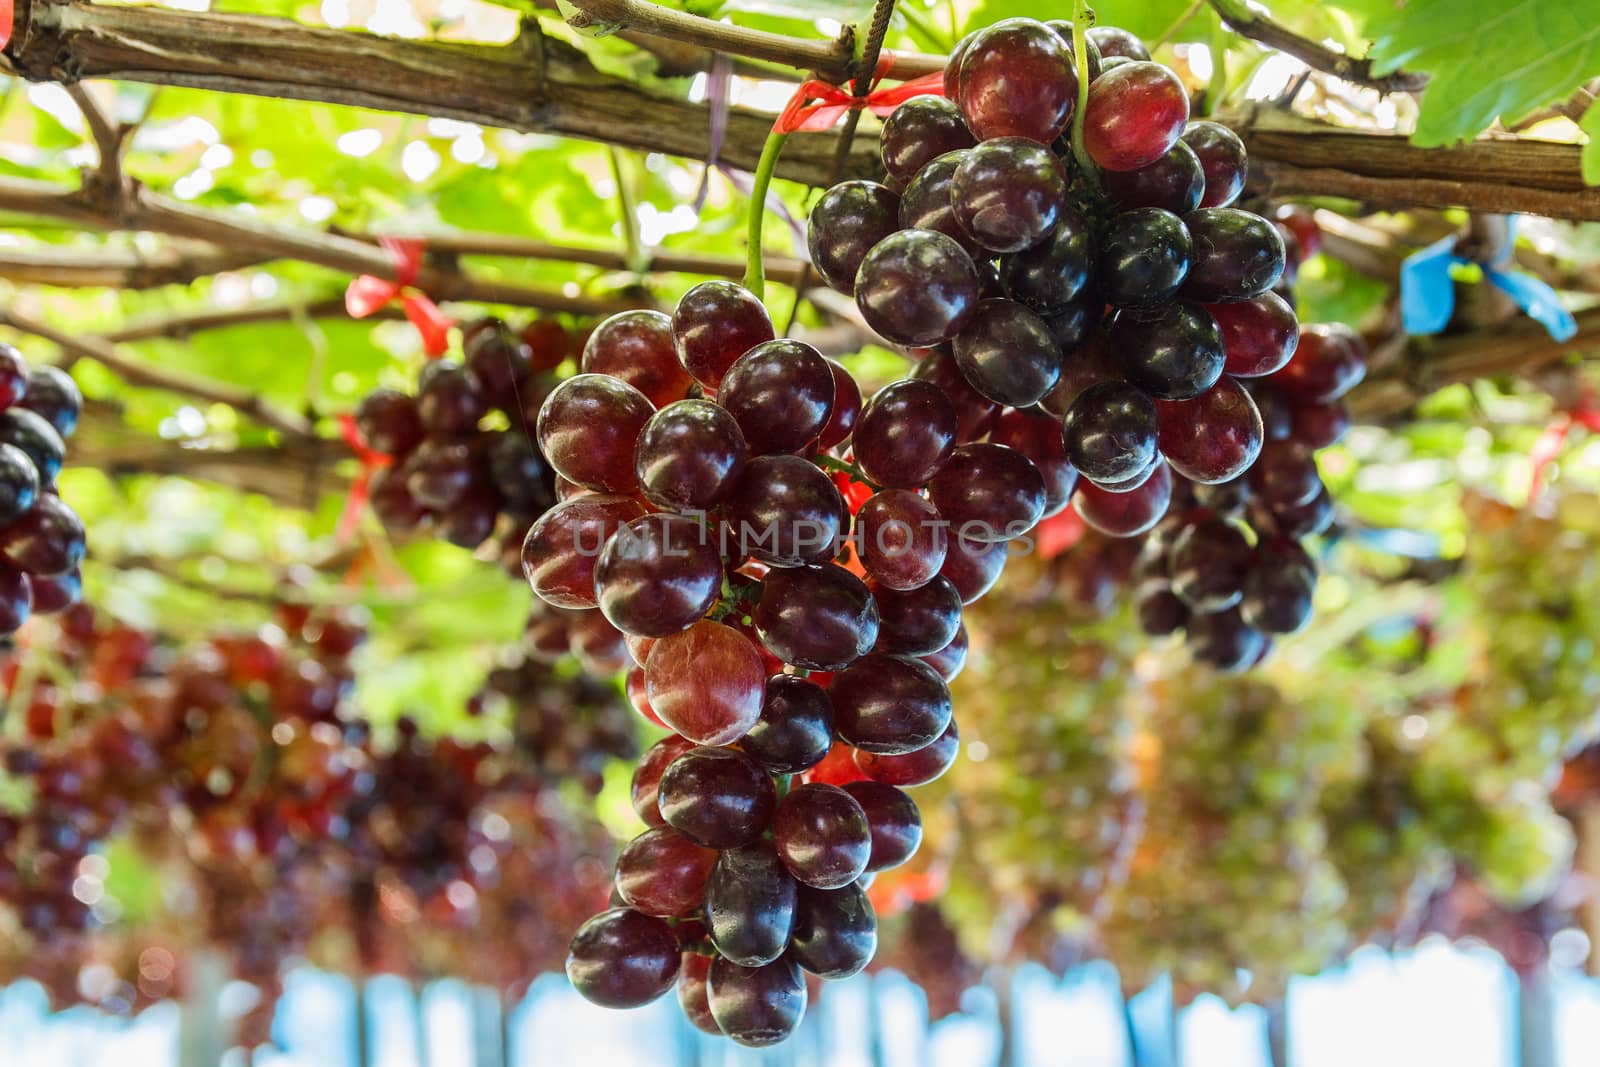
{"points": [[1008, 193], [784, 511], [901, 539], [819, 618], [917, 131], [895, 821], [561, 549], [636, 347], [913, 768], [846, 222], [714, 324], [1174, 183], [905, 433], [917, 622], [988, 492], [717, 797], [1237, 255], [1007, 353], [706, 683], [750, 900], [1125, 514], [1017, 79], [757, 1006], [587, 429], [889, 705], [1222, 157], [822, 835], [795, 730], [1145, 256], [917, 287], [835, 931], [1213, 437], [781, 395], [1136, 113], [622, 959], [689, 455], [658, 575], [661, 872]]}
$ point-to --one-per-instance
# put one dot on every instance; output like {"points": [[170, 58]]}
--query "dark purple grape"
{"points": [[917, 287], [900, 539], [519, 473], [846, 222], [1299, 520], [1209, 563], [1277, 416], [795, 730], [658, 574], [1008, 193], [1135, 114], [757, 1006], [1017, 79], [392, 502], [713, 325], [1128, 485], [822, 835], [846, 407], [1320, 425], [587, 429], [905, 433], [19, 483], [974, 412], [1237, 255], [37, 439], [1227, 497], [784, 511], [471, 522], [1159, 610], [950, 660], [560, 551], [16, 599], [52, 394], [56, 593], [636, 347], [835, 931], [1039, 438], [1172, 183], [388, 422], [1110, 432], [1073, 326], [717, 797], [1225, 641], [1285, 476], [913, 768], [973, 566], [1144, 258], [1329, 361], [1222, 157], [1125, 514], [450, 399], [14, 375], [988, 492], [750, 900], [661, 872], [1173, 352], [820, 618], [1007, 353], [889, 705], [440, 475], [917, 131], [499, 360], [1049, 276], [623, 959], [896, 823], [1277, 594], [926, 204], [917, 622], [1214, 437], [690, 455], [1258, 336], [1116, 41], [47, 540], [781, 395]]}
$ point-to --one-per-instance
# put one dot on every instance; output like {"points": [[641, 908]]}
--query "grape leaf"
{"points": [[1486, 59], [1591, 150]]}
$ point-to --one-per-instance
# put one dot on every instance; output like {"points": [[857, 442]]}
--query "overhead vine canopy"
{"points": [[243, 227]]}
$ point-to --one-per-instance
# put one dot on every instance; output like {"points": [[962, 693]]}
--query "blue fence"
{"points": [[1438, 1005]]}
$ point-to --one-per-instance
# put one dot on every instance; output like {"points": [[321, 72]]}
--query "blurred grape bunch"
{"points": [[1044, 800], [1230, 890]]}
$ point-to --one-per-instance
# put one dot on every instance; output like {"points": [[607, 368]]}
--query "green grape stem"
{"points": [[755, 278], [1082, 19]]}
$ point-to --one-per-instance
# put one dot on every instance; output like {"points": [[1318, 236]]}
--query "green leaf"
{"points": [[1486, 59], [1591, 148], [1147, 18]]}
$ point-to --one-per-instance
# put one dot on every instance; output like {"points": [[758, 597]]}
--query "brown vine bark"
{"points": [[538, 84]]}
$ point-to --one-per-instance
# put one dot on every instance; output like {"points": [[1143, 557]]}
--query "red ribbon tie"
{"points": [[817, 105], [368, 293], [372, 461]]}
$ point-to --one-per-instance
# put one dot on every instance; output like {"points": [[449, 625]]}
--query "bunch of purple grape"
{"points": [[41, 538], [794, 610], [449, 471], [1099, 307], [1228, 564]]}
